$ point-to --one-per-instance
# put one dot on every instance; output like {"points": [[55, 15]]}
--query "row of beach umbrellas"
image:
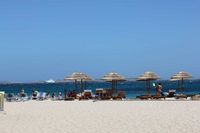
{"points": [[114, 78]]}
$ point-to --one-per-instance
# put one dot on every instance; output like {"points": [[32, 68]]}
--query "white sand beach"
{"points": [[101, 117]]}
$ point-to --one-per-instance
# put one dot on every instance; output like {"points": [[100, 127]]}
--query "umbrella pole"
{"points": [[75, 84], [65, 94], [81, 85], [182, 85], [115, 86], [147, 87], [85, 85], [178, 86]]}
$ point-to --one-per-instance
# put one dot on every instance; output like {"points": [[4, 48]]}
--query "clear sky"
{"points": [[42, 39]]}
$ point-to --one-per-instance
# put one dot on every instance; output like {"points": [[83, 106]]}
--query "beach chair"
{"points": [[107, 95], [87, 94], [60, 97], [144, 97], [171, 93], [35, 95], [196, 97], [182, 96], [156, 97], [120, 95], [42, 96], [54, 97], [22, 97], [103, 94], [10, 97], [70, 96], [99, 93], [190, 95], [73, 95]]}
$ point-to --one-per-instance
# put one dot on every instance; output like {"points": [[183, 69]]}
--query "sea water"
{"points": [[131, 88]]}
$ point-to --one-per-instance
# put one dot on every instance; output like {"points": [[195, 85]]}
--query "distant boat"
{"points": [[50, 81]]}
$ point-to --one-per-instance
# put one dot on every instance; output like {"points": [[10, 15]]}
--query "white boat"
{"points": [[50, 81]]}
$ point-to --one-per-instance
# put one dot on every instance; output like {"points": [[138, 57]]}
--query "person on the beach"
{"points": [[48, 95], [22, 93], [53, 95], [60, 95], [34, 93], [159, 89]]}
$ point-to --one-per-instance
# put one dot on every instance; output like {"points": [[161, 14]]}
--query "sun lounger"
{"points": [[55, 98], [121, 95], [156, 97], [42, 96], [10, 97], [181, 97], [99, 93], [107, 95], [171, 93], [22, 97], [26, 98], [144, 97], [60, 97], [35, 95], [190, 95], [196, 97], [102, 94], [69, 98], [87, 94]]}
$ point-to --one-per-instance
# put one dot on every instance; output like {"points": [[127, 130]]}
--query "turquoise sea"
{"points": [[132, 88]]}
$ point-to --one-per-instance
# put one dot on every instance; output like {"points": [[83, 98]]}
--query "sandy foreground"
{"points": [[101, 117]]}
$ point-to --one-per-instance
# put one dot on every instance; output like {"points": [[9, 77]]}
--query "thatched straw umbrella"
{"points": [[114, 78], [181, 76], [148, 77], [79, 76]]}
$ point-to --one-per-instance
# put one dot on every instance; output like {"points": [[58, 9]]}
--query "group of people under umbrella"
{"points": [[115, 78]]}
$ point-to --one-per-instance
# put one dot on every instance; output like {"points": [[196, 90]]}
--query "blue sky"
{"points": [[53, 38]]}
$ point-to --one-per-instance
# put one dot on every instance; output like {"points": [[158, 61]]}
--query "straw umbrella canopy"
{"points": [[79, 76], [181, 76], [114, 78], [148, 77]]}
